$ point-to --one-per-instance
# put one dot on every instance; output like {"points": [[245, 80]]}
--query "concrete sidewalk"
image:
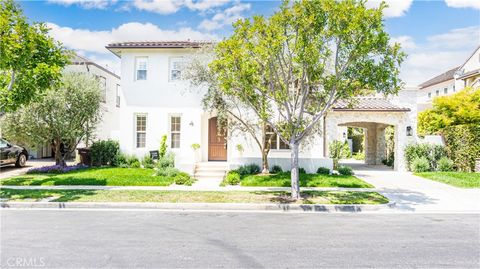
{"points": [[412, 193]]}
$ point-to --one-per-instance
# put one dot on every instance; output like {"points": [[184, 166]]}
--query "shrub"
{"points": [[104, 152], [195, 146], [323, 171], [121, 160], [301, 170], [338, 150], [147, 162], [249, 169], [167, 171], [135, 164], [183, 178], [163, 146], [431, 152], [359, 156], [276, 169], [345, 170], [167, 160], [462, 143], [131, 161], [445, 165], [420, 164], [232, 178]]}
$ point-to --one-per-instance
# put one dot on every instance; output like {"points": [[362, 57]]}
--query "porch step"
{"points": [[210, 170]]}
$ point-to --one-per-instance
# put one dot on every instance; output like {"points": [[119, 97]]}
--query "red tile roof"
{"points": [[159, 44], [368, 104]]}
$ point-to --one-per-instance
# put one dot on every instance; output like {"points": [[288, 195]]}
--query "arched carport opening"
{"points": [[373, 115]]}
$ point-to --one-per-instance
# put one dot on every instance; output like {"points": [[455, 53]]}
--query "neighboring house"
{"points": [[441, 85], [451, 81], [110, 107], [468, 74], [158, 102]]}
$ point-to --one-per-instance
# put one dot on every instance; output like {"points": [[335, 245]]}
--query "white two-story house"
{"points": [[157, 102]]}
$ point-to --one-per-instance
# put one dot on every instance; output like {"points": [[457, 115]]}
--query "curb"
{"points": [[204, 206]]}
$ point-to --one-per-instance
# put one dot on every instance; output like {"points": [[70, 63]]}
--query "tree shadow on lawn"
{"points": [[306, 180], [53, 180], [37, 195], [328, 197]]}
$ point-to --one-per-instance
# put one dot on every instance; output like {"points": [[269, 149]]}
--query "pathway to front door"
{"points": [[412, 193]]}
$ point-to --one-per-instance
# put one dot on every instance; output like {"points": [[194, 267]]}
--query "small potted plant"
{"points": [[240, 149], [196, 147]]}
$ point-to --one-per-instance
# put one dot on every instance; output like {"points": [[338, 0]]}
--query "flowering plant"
{"points": [[56, 169]]}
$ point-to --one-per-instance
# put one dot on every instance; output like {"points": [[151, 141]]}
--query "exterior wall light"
{"points": [[409, 131], [191, 123]]}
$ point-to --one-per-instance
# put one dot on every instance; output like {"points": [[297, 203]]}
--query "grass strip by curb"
{"points": [[457, 179], [309, 197]]}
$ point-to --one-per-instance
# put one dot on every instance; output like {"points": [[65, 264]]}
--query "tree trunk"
{"points": [[59, 158], [295, 175], [265, 168]]}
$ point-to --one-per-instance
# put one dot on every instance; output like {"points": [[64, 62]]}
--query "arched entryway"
{"points": [[373, 117]]}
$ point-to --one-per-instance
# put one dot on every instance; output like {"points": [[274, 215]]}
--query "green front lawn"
{"points": [[306, 180], [93, 176], [457, 179], [310, 197]]}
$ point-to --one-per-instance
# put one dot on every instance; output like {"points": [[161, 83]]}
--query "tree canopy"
{"points": [[67, 114], [303, 59], [30, 60], [456, 109]]}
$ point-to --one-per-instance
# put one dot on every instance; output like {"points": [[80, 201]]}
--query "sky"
{"points": [[436, 35]]}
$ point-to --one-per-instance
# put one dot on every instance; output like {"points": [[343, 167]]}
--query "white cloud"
{"points": [[92, 44], [463, 3], [172, 6], [439, 53], [455, 38], [405, 41], [396, 8], [95, 41], [225, 17], [88, 4]]}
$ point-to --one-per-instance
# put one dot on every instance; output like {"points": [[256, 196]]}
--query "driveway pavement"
{"points": [[11, 170], [412, 193]]}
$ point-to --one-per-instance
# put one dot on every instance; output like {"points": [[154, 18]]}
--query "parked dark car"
{"points": [[12, 154]]}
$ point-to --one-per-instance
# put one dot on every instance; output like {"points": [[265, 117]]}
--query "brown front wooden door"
{"points": [[217, 142]]}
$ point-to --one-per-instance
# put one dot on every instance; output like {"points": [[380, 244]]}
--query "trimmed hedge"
{"points": [[432, 153], [104, 152], [463, 145]]}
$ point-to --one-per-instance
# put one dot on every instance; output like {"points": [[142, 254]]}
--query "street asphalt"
{"points": [[69, 238]]}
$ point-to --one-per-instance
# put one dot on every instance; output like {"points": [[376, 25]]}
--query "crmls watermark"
{"points": [[29, 262]]}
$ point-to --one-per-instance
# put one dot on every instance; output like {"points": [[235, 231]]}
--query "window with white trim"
{"points": [[140, 130], [141, 68], [276, 141], [175, 126], [445, 90], [437, 92], [429, 95], [117, 95], [176, 68]]}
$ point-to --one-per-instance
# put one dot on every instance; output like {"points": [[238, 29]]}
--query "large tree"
{"points": [[30, 60], [304, 58], [460, 108], [66, 115], [233, 115]]}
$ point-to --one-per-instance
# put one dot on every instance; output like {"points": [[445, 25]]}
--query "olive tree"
{"points": [[66, 115], [232, 113], [303, 59]]}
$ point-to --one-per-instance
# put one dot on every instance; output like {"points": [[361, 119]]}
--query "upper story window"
{"points": [[453, 88], [429, 95], [175, 125], [276, 141], [176, 68], [437, 92], [117, 95], [141, 68], [445, 90]]}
